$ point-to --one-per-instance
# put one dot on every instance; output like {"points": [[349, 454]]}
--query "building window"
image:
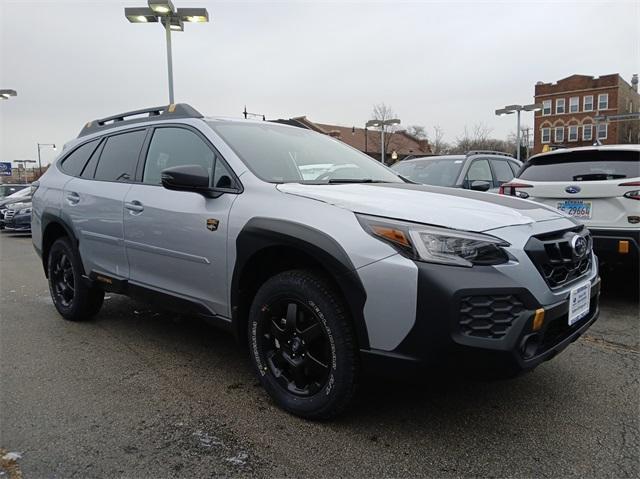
{"points": [[587, 132], [559, 106], [573, 133], [546, 107], [574, 104], [587, 104], [602, 131], [546, 135], [558, 134], [603, 101]]}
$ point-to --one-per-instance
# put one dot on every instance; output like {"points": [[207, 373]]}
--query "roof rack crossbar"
{"points": [[175, 110], [488, 152]]}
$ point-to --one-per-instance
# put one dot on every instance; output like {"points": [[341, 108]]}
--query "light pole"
{"points": [[52, 145], [381, 124], [6, 94], [172, 19], [507, 110]]}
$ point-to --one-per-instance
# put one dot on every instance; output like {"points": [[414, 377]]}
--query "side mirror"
{"points": [[195, 178], [480, 185]]}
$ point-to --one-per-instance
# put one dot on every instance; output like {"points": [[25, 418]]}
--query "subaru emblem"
{"points": [[572, 189], [579, 246]]}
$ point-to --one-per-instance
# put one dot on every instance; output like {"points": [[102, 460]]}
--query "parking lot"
{"points": [[141, 392]]}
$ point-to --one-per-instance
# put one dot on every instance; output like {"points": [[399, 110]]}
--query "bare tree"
{"points": [[436, 141], [478, 138], [384, 112], [417, 131]]}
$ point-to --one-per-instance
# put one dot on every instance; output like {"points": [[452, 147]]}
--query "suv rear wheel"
{"points": [[72, 297], [302, 345]]}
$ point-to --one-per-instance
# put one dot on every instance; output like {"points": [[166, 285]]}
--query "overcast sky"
{"points": [[436, 63]]}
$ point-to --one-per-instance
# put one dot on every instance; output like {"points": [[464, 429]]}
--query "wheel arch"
{"points": [[53, 228], [266, 247]]}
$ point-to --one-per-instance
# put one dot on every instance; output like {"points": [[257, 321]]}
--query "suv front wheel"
{"points": [[73, 298], [302, 345]]}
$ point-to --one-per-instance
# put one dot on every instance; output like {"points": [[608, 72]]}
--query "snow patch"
{"points": [[12, 456], [238, 460]]}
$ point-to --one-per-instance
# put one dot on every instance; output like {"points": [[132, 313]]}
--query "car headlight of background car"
{"points": [[24, 211], [437, 245]]}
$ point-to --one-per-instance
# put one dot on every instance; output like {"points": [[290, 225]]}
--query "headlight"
{"points": [[437, 245], [24, 211]]}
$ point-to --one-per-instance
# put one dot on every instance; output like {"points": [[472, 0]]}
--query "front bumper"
{"points": [[18, 222], [475, 319]]}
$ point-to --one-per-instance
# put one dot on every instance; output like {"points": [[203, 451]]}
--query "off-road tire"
{"points": [[319, 298], [85, 301]]}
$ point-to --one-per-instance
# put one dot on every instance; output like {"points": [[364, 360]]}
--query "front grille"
{"points": [[489, 316], [556, 259], [9, 214]]}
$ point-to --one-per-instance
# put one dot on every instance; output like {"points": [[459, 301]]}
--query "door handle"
{"points": [[72, 197], [134, 207]]}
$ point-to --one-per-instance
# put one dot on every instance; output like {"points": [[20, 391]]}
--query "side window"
{"points": [[74, 163], [478, 171], [90, 168], [502, 171], [515, 167], [120, 156], [174, 147], [222, 177]]}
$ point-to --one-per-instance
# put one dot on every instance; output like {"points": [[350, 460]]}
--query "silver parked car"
{"points": [[476, 170], [324, 277]]}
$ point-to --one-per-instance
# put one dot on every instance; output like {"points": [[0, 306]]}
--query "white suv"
{"points": [[598, 186]]}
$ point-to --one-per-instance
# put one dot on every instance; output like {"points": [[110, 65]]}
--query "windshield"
{"points": [[590, 165], [281, 154], [6, 190], [433, 171]]}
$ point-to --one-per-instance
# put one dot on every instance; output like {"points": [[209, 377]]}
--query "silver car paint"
{"points": [[170, 248], [389, 279], [441, 207]]}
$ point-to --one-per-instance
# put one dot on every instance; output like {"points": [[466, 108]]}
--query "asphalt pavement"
{"points": [[139, 392]]}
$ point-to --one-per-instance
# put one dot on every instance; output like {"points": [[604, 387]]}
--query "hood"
{"points": [[448, 207]]}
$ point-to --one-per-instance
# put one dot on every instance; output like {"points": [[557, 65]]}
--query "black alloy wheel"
{"points": [[62, 279], [295, 346]]}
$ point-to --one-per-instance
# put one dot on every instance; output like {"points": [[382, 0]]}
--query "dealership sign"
{"points": [[5, 168]]}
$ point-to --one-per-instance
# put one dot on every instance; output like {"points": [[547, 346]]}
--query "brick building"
{"points": [[368, 141], [570, 107]]}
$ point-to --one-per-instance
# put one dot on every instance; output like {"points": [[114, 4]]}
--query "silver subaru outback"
{"points": [[324, 262]]}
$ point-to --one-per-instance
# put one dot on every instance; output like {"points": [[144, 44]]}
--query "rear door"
{"points": [[176, 241], [502, 173], [93, 202], [589, 185]]}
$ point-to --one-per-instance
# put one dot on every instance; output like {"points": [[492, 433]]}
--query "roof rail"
{"points": [[175, 110], [488, 152]]}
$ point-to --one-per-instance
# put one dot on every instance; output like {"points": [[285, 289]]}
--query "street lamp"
{"points": [[381, 124], [5, 94], [509, 109], [173, 20], [52, 145]]}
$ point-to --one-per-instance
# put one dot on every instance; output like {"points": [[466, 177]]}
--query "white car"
{"points": [[596, 185]]}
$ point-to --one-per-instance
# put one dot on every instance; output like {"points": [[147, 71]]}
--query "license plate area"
{"points": [[579, 302], [578, 209]]}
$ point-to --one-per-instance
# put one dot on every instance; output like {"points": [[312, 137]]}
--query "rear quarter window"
{"points": [[75, 162], [591, 165]]}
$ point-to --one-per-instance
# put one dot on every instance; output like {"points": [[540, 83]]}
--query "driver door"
{"points": [[176, 241]]}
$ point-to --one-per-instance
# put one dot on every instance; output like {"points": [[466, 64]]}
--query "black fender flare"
{"points": [[261, 233], [47, 219]]}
